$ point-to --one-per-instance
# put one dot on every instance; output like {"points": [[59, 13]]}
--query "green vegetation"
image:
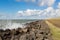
{"points": [[54, 30]]}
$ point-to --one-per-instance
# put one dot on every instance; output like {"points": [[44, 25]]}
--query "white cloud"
{"points": [[46, 2], [59, 5], [46, 13], [41, 2], [29, 12], [34, 13], [50, 12]]}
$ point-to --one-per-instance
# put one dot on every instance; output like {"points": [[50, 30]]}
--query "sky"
{"points": [[29, 9]]}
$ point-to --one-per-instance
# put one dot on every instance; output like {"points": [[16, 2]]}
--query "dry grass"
{"points": [[55, 22], [54, 30]]}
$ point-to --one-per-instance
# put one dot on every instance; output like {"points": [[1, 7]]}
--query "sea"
{"points": [[14, 23]]}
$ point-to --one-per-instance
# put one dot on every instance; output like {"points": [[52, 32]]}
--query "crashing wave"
{"points": [[11, 25]]}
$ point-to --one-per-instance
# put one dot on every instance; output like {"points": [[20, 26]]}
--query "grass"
{"points": [[56, 22], [54, 30]]}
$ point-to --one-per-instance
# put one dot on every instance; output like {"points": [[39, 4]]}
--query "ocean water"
{"points": [[13, 24]]}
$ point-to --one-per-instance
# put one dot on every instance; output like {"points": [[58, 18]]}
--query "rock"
{"points": [[24, 30], [37, 30], [0, 38], [22, 37]]}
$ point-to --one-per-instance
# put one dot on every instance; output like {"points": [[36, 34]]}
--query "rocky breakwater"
{"points": [[37, 30]]}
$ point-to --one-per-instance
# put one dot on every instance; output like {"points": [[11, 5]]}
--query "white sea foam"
{"points": [[8, 24], [11, 25]]}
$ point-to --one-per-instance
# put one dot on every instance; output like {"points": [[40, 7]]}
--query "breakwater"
{"points": [[37, 30]]}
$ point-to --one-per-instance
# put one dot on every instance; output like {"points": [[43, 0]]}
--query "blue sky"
{"points": [[26, 9]]}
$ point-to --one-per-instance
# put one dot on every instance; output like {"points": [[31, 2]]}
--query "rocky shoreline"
{"points": [[37, 30]]}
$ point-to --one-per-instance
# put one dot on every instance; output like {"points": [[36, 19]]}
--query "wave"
{"points": [[11, 25]]}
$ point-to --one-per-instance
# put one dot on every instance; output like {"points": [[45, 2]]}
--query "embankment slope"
{"points": [[54, 28]]}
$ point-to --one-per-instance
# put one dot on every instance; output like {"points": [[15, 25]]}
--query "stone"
{"points": [[24, 30], [22, 37], [0, 38], [37, 30]]}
